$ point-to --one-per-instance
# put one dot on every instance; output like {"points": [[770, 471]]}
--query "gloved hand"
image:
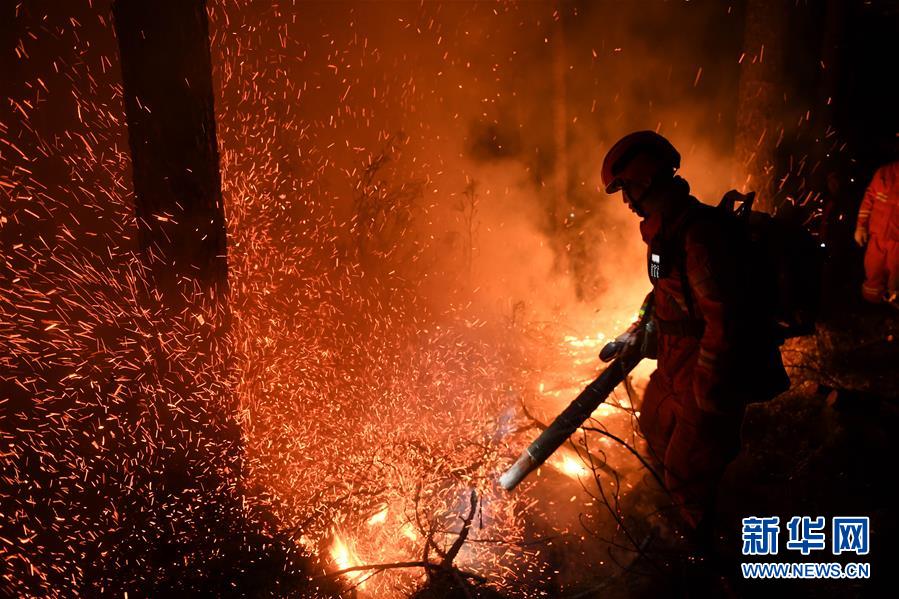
{"points": [[611, 350], [640, 339], [630, 340], [861, 236]]}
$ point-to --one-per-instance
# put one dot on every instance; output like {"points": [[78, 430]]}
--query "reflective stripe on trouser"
{"points": [[881, 269]]}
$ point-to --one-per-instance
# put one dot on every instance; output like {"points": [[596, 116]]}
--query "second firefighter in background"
{"points": [[877, 228]]}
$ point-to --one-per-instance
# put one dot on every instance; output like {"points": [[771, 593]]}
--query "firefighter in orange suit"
{"points": [[878, 227], [713, 357]]}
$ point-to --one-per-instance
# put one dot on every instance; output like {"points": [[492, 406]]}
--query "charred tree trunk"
{"points": [[167, 75], [195, 448], [760, 100]]}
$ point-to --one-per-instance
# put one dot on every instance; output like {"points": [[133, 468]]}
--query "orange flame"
{"points": [[345, 557]]}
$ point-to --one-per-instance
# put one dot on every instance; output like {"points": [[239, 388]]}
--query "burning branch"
{"points": [[436, 571]]}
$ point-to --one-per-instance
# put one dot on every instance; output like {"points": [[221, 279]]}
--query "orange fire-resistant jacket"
{"points": [[879, 212], [709, 347]]}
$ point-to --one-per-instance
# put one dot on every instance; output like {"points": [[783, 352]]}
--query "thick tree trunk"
{"points": [[167, 74], [196, 450], [760, 101]]}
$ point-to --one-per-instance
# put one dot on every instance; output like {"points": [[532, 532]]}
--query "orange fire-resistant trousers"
{"points": [[692, 447], [881, 268]]}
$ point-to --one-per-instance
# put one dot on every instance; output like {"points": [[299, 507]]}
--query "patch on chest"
{"points": [[656, 270]]}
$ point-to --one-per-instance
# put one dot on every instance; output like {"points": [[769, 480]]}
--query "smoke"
{"points": [[525, 99], [520, 100]]}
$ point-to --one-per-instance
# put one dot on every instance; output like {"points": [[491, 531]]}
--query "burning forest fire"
{"points": [[378, 387], [421, 273], [369, 405]]}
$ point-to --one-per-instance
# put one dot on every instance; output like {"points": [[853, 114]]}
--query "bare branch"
{"points": [[463, 534], [633, 451]]}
